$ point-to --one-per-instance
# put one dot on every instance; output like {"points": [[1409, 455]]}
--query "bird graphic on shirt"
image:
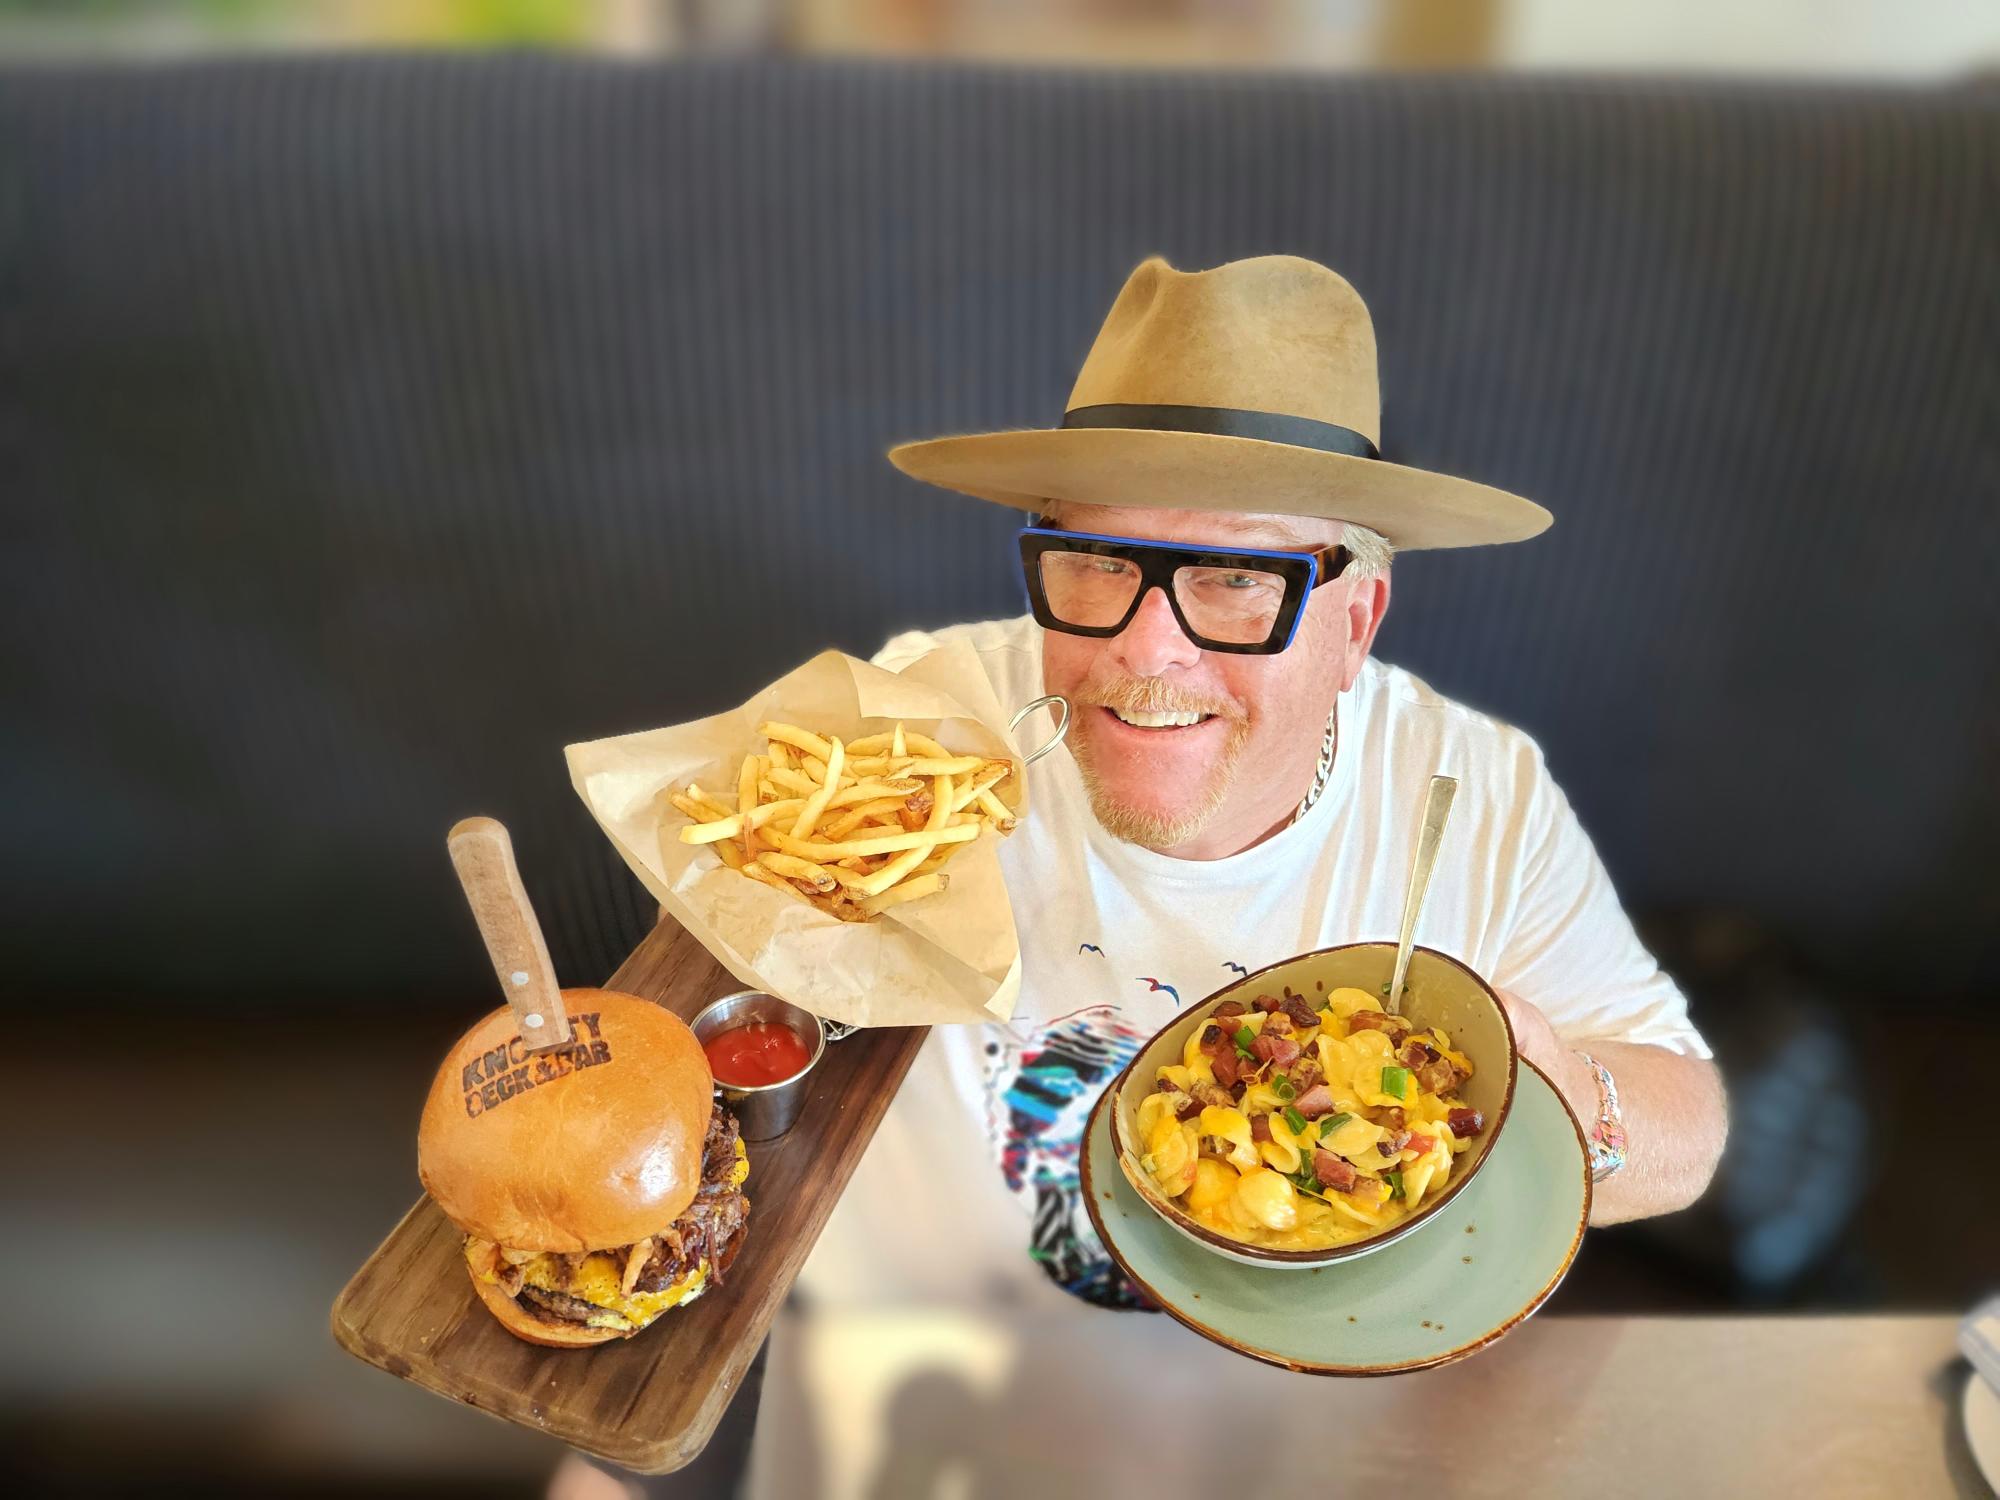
{"points": [[1090, 948], [1236, 966], [1146, 979]]}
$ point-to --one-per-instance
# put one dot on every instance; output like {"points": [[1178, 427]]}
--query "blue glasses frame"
{"points": [[1157, 562]]}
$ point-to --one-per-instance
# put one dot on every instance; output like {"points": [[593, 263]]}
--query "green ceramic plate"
{"points": [[1488, 1258]]}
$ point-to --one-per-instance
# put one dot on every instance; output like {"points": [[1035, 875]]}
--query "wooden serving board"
{"points": [[652, 1401]]}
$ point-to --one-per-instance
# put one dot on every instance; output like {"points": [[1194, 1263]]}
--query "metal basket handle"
{"points": [[1061, 705]]}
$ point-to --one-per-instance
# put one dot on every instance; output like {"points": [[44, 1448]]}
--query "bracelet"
{"points": [[1606, 1140]]}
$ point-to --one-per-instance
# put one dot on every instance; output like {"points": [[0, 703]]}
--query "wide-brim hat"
{"points": [[1251, 387]]}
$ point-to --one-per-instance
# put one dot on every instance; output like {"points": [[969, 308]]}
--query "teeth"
{"points": [[1158, 721]]}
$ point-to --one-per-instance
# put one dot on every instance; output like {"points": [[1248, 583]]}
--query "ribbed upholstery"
{"points": [[374, 426]]}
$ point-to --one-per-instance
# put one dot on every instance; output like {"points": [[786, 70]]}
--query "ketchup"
{"points": [[762, 1052]]}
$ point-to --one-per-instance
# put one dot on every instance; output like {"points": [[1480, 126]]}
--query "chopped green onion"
{"points": [[1244, 1037], [1395, 1181], [1282, 1087], [1396, 1081], [1332, 1123], [1296, 1120]]}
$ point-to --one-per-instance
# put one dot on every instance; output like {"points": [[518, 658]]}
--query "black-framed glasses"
{"points": [[1239, 599]]}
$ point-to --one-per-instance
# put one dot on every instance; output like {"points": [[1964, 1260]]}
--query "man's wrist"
{"points": [[1579, 1087]]}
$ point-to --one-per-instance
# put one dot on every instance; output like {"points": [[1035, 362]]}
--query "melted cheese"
{"points": [[599, 1277], [596, 1282]]}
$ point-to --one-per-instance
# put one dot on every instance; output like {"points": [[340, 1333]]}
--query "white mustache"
{"points": [[1152, 695]]}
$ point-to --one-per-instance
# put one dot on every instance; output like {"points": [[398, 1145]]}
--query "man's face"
{"points": [[1208, 788]]}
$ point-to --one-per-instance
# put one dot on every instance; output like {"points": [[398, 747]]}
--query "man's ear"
{"points": [[1367, 603]]}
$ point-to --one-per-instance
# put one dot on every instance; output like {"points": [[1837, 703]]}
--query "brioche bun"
{"points": [[586, 1148]]}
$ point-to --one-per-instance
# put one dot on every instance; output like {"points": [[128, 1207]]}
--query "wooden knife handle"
{"points": [[483, 855]]}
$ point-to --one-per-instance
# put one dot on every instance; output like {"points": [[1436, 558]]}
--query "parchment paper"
{"points": [[952, 957]]}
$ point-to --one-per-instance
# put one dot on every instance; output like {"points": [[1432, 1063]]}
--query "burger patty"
{"points": [[711, 1229], [560, 1306]]}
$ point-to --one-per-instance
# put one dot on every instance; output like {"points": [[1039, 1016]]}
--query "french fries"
{"points": [[854, 828], [910, 890]]}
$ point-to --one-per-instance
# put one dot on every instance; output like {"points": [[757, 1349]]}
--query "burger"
{"points": [[598, 1184]]}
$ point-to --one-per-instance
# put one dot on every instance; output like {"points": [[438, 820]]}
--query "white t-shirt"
{"points": [[969, 1191]]}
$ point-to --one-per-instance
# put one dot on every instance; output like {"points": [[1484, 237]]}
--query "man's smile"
{"points": [[1139, 719]]}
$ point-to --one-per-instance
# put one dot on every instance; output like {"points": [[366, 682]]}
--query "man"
{"points": [[1208, 565], [1241, 782]]}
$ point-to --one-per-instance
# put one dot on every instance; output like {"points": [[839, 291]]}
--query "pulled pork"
{"points": [[712, 1223]]}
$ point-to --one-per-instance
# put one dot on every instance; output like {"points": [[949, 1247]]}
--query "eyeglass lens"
{"points": [[1233, 605]]}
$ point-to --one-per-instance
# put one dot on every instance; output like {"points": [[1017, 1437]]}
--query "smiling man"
{"points": [[1208, 562]]}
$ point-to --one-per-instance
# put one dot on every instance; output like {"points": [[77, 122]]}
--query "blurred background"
{"points": [[396, 390]]}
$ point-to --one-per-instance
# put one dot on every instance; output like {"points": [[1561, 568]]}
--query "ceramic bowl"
{"points": [[1440, 992], [1491, 1256]]}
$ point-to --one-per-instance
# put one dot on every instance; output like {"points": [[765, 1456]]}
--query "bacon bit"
{"points": [[1439, 1076], [1422, 1143], [1465, 1123], [1396, 1027], [1213, 1093], [1314, 1102], [1301, 1014], [1269, 1003], [1332, 1171], [1272, 1048], [1260, 1127]]}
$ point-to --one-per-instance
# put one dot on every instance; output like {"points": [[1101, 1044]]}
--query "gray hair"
{"points": [[1372, 552]]}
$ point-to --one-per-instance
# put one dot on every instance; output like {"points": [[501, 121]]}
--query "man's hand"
{"points": [[1536, 1040], [1675, 1116]]}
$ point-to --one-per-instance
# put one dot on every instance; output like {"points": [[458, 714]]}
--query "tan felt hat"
{"points": [[1250, 387]]}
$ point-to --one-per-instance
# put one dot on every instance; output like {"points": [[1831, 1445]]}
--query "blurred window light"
{"points": [[1860, 38]]}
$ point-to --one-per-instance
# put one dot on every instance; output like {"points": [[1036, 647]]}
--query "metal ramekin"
{"points": [[764, 1110]]}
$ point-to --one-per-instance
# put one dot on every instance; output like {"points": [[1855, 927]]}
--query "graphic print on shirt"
{"points": [[1228, 964], [1040, 1087], [1155, 986]]}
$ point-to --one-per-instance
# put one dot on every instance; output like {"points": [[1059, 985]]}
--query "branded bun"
{"points": [[589, 1147]]}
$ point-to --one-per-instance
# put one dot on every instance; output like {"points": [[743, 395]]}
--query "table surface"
{"points": [[1054, 1402], [649, 1402]]}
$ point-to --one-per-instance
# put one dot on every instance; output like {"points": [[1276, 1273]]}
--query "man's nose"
{"points": [[1154, 642]]}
